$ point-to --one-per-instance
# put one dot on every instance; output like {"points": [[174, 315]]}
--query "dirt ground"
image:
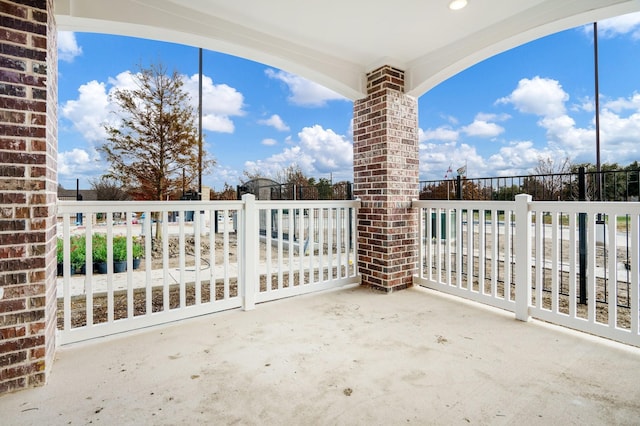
{"points": [[100, 302], [139, 299], [623, 312]]}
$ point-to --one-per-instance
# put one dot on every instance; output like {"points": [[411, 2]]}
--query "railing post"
{"points": [[523, 256], [249, 262]]}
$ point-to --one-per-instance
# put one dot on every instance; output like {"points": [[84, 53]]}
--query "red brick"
{"points": [[13, 358], [11, 385]]}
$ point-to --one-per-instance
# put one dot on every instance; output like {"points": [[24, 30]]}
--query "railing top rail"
{"points": [[475, 204], [606, 207], [276, 204], [119, 206]]}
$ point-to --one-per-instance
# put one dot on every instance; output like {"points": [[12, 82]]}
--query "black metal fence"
{"points": [[581, 186], [618, 185], [338, 191]]}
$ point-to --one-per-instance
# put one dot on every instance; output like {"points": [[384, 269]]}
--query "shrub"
{"points": [[60, 250], [99, 242], [119, 248], [137, 249], [78, 251]]}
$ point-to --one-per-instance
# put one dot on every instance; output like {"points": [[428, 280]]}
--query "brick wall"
{"points": [[386, 168], [28, 181]]}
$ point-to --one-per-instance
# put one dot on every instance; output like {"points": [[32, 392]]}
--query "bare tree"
{"points": [[156, 138], [108, 189], [552, 179]]}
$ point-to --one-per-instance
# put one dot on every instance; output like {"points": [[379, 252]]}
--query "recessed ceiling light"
{"points": [[457, 4]]}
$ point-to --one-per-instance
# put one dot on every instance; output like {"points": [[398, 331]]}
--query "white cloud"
{"points": [[520, 157], [276, 122], [89, 112], [620, 25], [304, 92], [483, 129], [622, 104], [217, 123], [443, 133], [318, 152], [539, 96], [585, 104], [220, 102], [269, 142], [222, 174], [76, 162], [123, 81], [68, 47], [619, 137], [435, 159], [619, 128]]}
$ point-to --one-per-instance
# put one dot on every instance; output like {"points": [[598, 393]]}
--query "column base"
{"points": [[385, 289]]}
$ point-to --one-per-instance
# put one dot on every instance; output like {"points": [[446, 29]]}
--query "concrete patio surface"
{"points": [[351, 356]]}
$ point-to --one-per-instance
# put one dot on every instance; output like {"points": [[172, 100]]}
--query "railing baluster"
{"points": [[301, 246], [612, 283], [451, 214], [129, 236], [290, 238], [573, 244], [634, 266], [321, 258], [66, 270], [311, 244], [495, 252], [591, 265], [459, 253], [280, 249], [539, 257], [421, 243], [109, 271], [555, 290], [181, 258], [470, 247], [166, 281], [225, 250], [197, 233], [481, 250], [148, 250], [434, 237], [268, 260], [88, 277], [213, 226]]}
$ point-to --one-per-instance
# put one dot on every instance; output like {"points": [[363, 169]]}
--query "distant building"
{"points": [[70, 194]]}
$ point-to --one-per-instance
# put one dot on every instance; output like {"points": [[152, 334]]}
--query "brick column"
{"points": [[386, 167], [28, 185]]}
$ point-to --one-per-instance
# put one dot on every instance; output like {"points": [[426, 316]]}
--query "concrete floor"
{"points": [[345, 357]]}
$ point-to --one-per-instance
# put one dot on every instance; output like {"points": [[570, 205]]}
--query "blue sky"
{"points": [[499, 117]]}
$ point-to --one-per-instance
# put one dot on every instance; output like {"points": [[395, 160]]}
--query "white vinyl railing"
{"points": [[198, 257], [532, 258]]}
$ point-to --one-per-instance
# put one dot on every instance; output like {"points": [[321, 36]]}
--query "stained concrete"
{"points": [[345, 357]]}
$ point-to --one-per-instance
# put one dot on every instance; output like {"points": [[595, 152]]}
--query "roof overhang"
{"points": [[336, 42]]}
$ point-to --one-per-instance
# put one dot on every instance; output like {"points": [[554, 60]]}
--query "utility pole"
{"points": [[200, 124], [597, 96]]}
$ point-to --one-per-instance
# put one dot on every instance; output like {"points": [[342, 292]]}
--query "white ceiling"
{"points": [[336, 42]]}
